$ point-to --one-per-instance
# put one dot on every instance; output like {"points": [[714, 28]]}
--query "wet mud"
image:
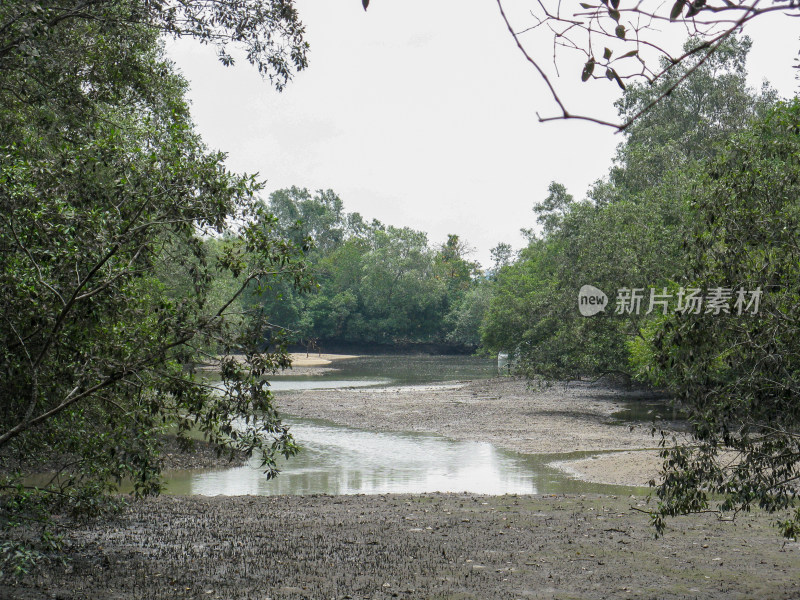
{"points": [[402, 546]]}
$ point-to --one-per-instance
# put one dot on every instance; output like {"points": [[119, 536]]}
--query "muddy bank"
{"points": [[503, 411], [430, 546], [632, 467], [316, 359], [313, 363], [202, 456]]}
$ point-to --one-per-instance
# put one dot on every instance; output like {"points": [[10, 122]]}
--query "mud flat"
{"points": [[201, 456], [429, 546], [630, 467], [507, 413], [313, 363]]}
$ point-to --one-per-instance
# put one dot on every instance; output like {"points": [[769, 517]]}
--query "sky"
{"points": [[423, 113]]}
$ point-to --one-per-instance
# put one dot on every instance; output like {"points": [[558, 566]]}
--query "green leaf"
{"points": [[606, 54], [618, 79], [694, 8], [629, 54], [615, 3], [620, 31], [588, 69], [677, 8], [614, 14], [587, 6]]}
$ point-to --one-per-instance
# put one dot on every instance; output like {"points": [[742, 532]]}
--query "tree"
{"points": [[269, 31], [107, 282], [552, 211], [737, 373], [502, 255], [630, 232], [403, 300], [688, 126], [466, 316], [319, 219], [377, 284], [622, 42]]}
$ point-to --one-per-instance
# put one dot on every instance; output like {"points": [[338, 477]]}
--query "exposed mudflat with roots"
{"points": [[430, 546]]}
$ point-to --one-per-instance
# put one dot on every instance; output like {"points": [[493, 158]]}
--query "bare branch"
{"points": [[564, 113], [590, 30]]}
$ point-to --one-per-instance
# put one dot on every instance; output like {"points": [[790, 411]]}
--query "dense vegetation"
{"points": [[631, 231], [376, 284], [702, 202], [129, 254], [106, 284]]}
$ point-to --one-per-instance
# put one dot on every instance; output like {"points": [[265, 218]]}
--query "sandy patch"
{"points": [[314, 359], [311, 364]]}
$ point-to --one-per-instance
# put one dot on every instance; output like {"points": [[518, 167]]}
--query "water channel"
{"points": [[342, 460]]}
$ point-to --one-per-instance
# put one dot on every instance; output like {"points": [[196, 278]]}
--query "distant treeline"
{"points": [[376, 285]]}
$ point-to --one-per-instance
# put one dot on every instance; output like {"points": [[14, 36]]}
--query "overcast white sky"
{"points": [[422, 113]]}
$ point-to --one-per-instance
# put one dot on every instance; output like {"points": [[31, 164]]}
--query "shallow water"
{"points": [[335, 459], [344, 460], [390, 370]]}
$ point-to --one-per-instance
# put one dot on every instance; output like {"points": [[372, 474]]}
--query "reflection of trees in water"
{"points": [[340, 460]]}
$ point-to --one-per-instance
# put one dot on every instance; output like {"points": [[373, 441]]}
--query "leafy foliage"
{"points": [[739, 375], [630, 231], [378, 284], [107, 277], [269, 32], [704, 194]]}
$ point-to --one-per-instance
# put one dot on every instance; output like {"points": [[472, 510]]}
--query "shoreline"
{"points": [[507, 413], [302, 363], [448, 546], [314, 359]]}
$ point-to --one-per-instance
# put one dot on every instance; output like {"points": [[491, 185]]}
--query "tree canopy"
{"points": [[701, 203], [738, 372], [629, 231], [377, 283], [108, 202]]}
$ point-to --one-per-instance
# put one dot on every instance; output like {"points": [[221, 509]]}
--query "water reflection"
{"points": [[399, 370], [342, 460]]}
